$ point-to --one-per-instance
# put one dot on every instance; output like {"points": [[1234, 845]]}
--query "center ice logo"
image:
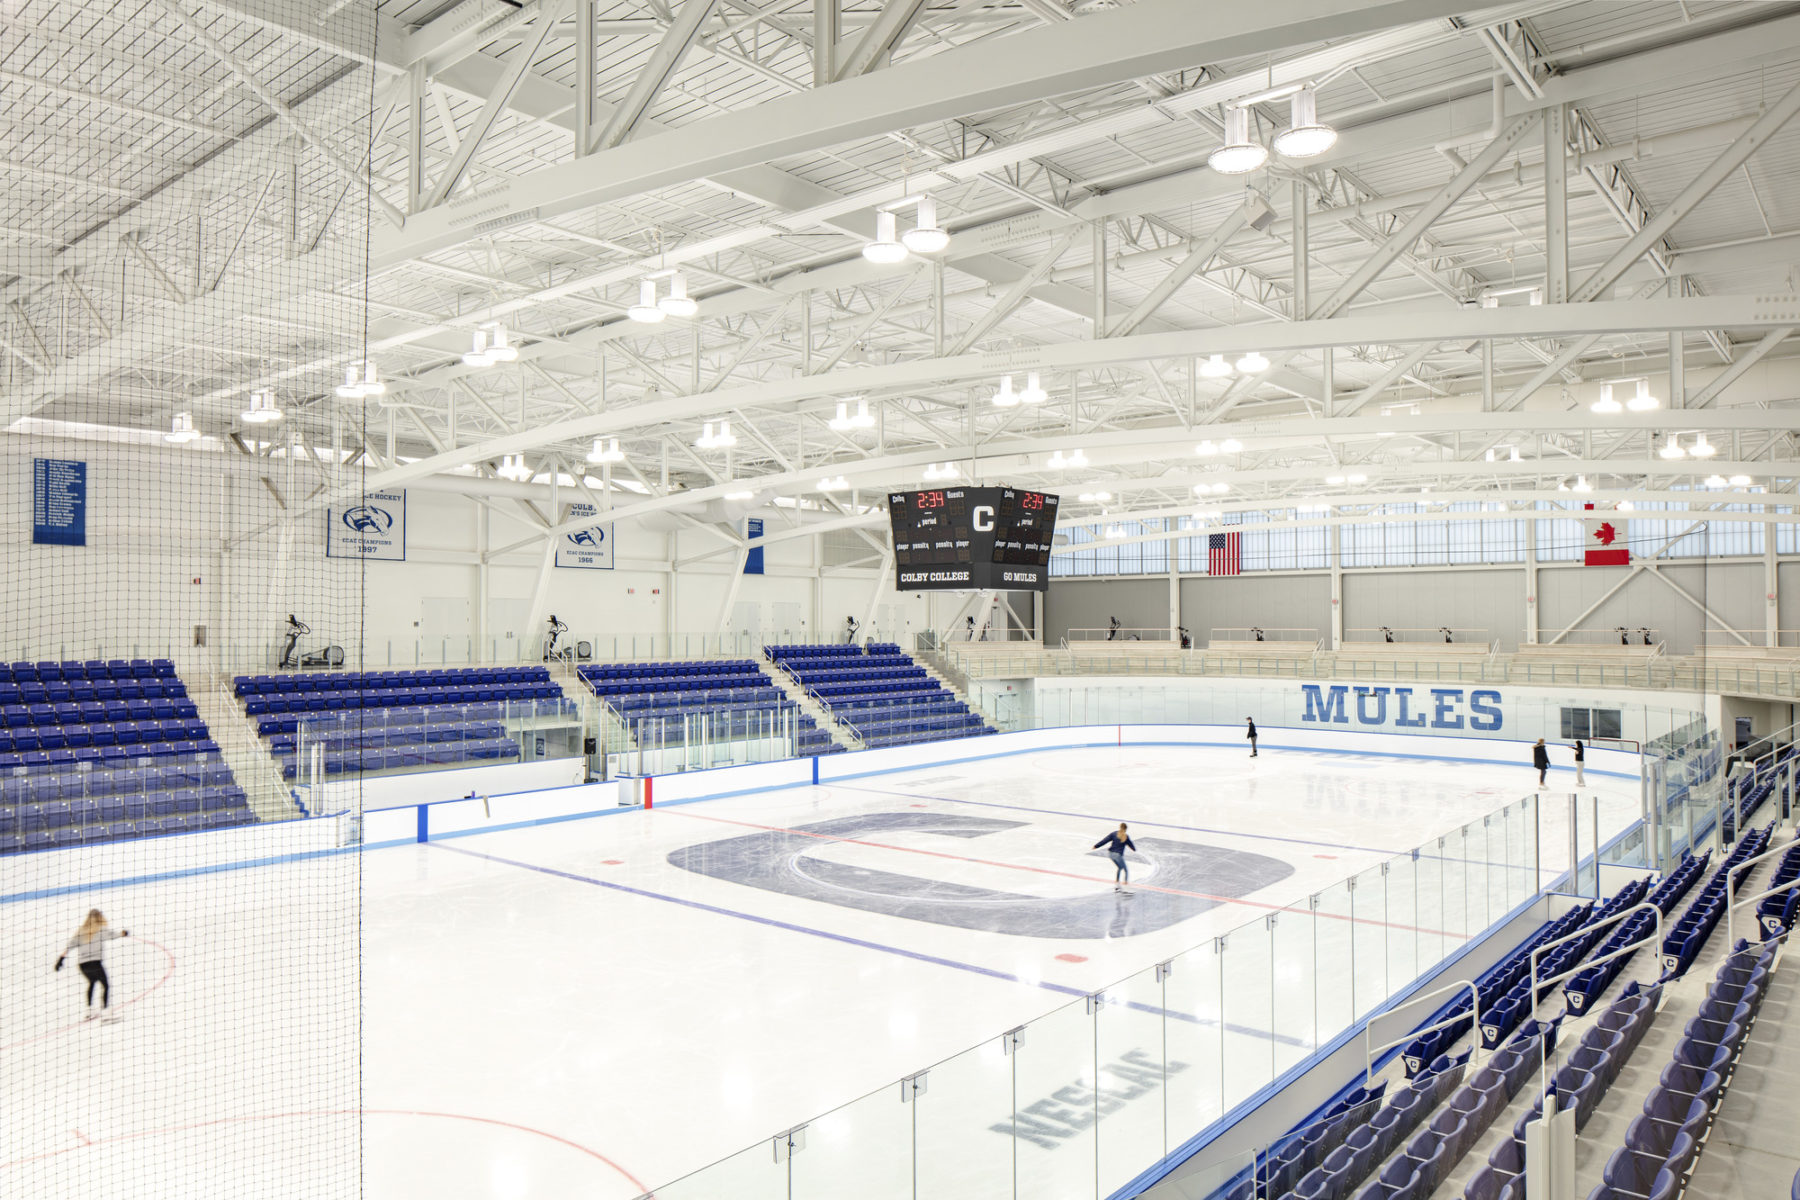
{"points": [[1441, 708]]}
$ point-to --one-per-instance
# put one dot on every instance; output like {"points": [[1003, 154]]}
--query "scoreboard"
{"points": [[961, 538]]}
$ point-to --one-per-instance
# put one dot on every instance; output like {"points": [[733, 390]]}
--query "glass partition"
{"points": [[1080, 1100], [317, 747]]}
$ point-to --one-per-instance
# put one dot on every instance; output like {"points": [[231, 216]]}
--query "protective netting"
{"points": [[184, 239]]}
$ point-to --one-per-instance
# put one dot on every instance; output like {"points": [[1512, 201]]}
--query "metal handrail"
{"points": [[1654, 939], [1789, 886], [1731, 882], [1369, 1052]]}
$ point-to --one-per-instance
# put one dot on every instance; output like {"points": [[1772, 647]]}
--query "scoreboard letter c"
{"points": [[984, 517]]}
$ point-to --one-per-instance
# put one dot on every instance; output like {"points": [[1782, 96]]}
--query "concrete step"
{"points": [[243, 750], [808, 705]]}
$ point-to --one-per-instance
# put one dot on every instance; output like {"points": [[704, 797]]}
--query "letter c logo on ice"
{"points": [[1438, 708]]}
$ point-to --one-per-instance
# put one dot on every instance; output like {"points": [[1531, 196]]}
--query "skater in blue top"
{"points": [[1116, 844]]}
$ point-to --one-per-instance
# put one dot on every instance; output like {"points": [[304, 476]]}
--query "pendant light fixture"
{"points": [[1239, 155], [262, 409], [181, 429], [886, 248], [1304, 137], [646, 309], [1215, 367], [678, 303], [926, 237]]}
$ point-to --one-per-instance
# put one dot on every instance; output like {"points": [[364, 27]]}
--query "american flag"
{"points": [[1224, 555]]}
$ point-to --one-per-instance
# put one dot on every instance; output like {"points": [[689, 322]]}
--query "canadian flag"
{"points": [[1605, 539]]}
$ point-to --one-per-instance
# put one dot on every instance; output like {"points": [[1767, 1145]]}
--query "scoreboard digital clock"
{"points": [[957, 538]]}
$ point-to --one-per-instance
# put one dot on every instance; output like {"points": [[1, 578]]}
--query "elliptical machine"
{"points": [[556, 629], [295, 627]]}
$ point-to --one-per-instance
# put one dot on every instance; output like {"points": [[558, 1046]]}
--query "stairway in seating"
{"points": [[243, 750], [811, 707]]}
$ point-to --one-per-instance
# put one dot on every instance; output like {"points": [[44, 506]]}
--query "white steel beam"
{"points": [[878, 40], [497, 100], [1193, 262], [655, 74], [1715, 173], [1732, 373]]}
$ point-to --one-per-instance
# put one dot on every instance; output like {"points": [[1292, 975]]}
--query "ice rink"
{"points": [[597, 1008]]}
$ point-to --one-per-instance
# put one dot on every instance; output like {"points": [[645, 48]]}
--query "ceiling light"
{"points": [[863, 419], [1672, 448], [1490, 454], [1715, 481], [371, 384], [1215, 367], [1606, 405], [1512, 454], [602, 453], [1206, 449], [501, 350], [1005, 397], [833, 483], [477, 354], [936, 471], [351, 388], [709, 440], [1643, 401], [926, 237], [1231, 445], [1252, 363], [1358, 478], [181, 429], [262, 409], [1582, 485], [1034, 392], [740, 495], [1334, 480], [1075, 458], [1740, 481], [1239, 155], [886, 248], [512, 466], [1703, 448], [646, 309], [678, 303], [1221, 488], [1304, 137], [841, 422], [1625, 506]]}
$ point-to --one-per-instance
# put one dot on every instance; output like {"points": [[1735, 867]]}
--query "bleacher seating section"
{"points": [[394, 720], [880, 694], [735, 693], [1661, 1144], [102, 750]]}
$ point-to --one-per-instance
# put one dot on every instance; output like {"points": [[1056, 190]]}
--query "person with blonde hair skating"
{"points": [[87, 945]]}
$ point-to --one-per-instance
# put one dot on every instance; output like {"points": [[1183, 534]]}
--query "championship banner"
{"points": [[1605, 540], [58, 502], [590, 547], [373, 529]]}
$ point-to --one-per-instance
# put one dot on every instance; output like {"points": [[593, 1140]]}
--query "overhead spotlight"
{"points": [[1740, 481], [833, 483], [181, 429], [1206, 449], [1231, 446], [1239, 155], [678, 303], [603, 453], [841, 422], [1643, 401], [512, 466], [262, 409], [646, 309], [1252, 363], [1220, 488], [1075, 458], [1304, 137], [1215, 367], [886, 248], [1034, 392], [477, 354], [499, 349], [1671, 448], [1490, 454], [371, 382], [1334, 480], [1703, 448], [1114, 531], [1715, 481], [1606, 405], [351, 388], [936, 471], [1625, 506], [862, 419], [740, 495], [1006, 397], [1582, 485], [711, 440], [1095, 497], [926, 237], [1358, 478]]}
